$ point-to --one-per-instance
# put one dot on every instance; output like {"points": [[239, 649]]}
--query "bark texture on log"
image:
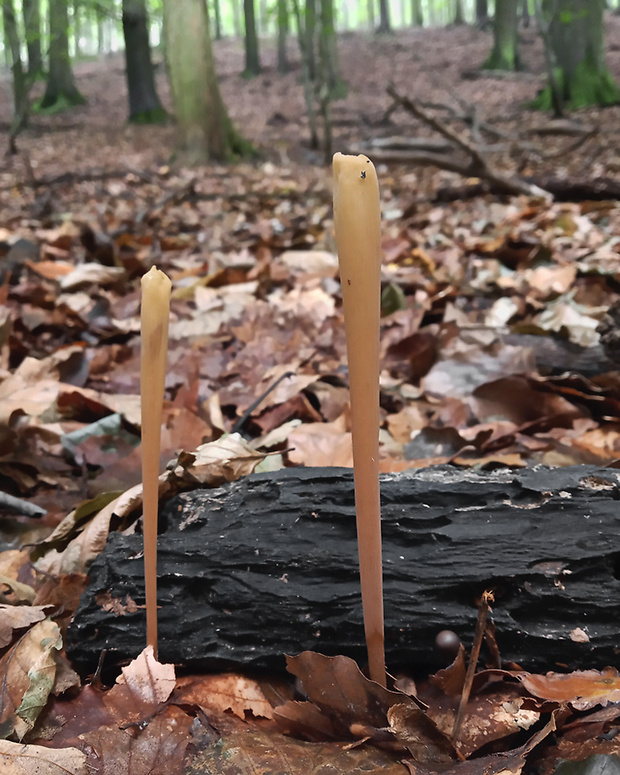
{"points": [[267, 566]]}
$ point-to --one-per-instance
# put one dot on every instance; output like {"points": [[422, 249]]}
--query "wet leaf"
{"points": [[27, 673], [583, 689], [223, 692]]}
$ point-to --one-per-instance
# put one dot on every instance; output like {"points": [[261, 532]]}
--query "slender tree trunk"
{"points": [[252, 63], [12, 44], [144, 104], [77, 28], [236, 18], [310, 37], [60, 89], [417, 19], [385, 26], [370, 12], [32, 25], [302, 37], [482, 13], [263, 17], [217, 14], [100, 29], [329, 51], [459, 13], [504, 55], [204, 130], [283, 29], [525, 13], [576, 36]]}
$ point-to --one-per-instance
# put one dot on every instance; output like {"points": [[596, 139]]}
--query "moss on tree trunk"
{"points": [[576, 35], [204, 130], [60, 91], [504, 55]]}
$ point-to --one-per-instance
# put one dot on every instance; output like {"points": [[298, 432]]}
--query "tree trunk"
{"points": [[309, 33], [283, 29], [217, 15], [417, 19], [204, 130], [459, 14], [12, 44], [77, 28], [252, 63], [385, 25], [504, 55], [60, 90], [263, 17], [482, 12], [101, 47], [370, 9], [576, 36], [329, 51], [32, 25], [236, 18], [525, 13], [305, 41], [144, 104]]}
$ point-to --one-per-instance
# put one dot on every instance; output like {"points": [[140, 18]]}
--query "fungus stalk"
{"points": [[154, 327], [357, 219]]}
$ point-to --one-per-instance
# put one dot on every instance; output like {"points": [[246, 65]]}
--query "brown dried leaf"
{"points": [[262, 752], [583, 689], [159, 747], [224, 460], [27, 673], [321, 444], [18, 759], [227, 691], [16, 617], [342, 692], [143, 686], [451, 679], [419, 734]]}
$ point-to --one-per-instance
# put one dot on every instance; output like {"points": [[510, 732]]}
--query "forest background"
{"points": [[197, 138]]}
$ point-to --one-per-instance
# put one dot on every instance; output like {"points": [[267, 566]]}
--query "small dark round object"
{"points": [[447, 644]]}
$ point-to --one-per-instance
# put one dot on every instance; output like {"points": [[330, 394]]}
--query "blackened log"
{"points": [[267, 566]]}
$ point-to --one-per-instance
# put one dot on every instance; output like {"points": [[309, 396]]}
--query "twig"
{"points": [[483, 610], [478, 166], [19, 506]]}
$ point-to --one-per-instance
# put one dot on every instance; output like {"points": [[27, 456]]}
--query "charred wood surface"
{"points": [[267, 566]]}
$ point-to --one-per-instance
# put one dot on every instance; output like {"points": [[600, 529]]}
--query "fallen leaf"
{"points": [[143, 686], [224, 460], [18, 759], [27, 673], [16, 617], [157, 747], [583, 689], [227, 691], [262, 752]]}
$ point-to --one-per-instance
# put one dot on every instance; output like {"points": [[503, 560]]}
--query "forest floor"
{"points": [[491, 353]]}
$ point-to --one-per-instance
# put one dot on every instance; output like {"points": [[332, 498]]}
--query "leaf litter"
{"points": [[493, 356]]}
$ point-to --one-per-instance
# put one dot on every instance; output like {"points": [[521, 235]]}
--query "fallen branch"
{"points": [[267, 566], [477, 166]]}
